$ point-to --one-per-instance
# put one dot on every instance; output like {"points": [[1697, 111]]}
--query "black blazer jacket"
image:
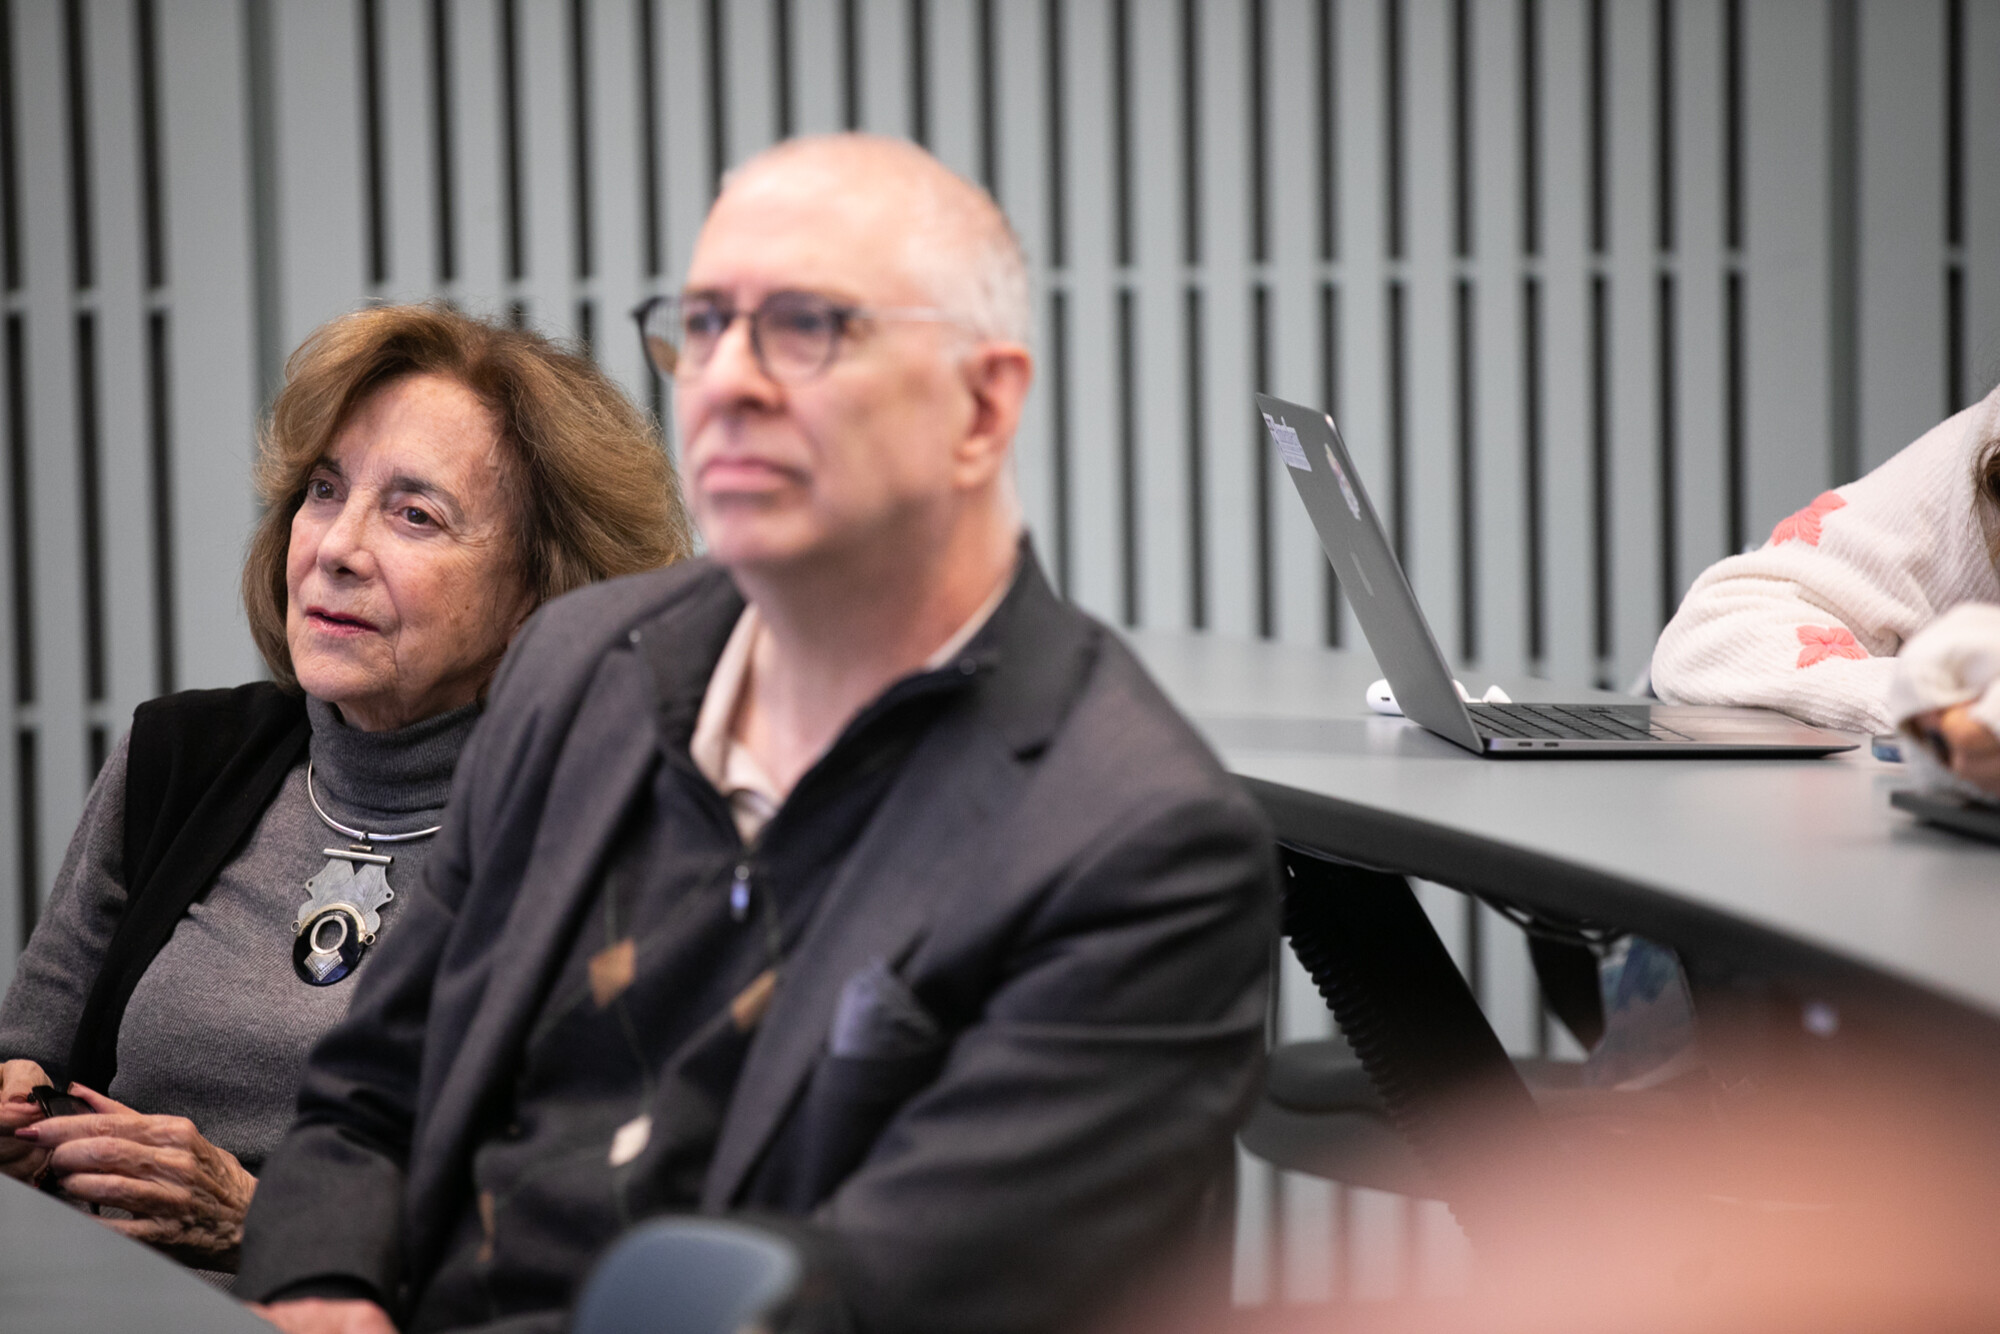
{"points": [[1062, 877]]}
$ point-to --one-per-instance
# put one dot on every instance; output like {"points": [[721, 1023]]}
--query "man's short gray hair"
{"points": [[959, 242]]}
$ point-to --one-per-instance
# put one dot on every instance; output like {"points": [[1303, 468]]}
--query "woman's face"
{"points": [[401, 580]]}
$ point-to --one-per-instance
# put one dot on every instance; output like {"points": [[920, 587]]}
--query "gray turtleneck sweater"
{"points": [[219, 1026]]}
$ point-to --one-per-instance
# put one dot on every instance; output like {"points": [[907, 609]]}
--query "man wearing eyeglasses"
{"points": [[847, 875]]}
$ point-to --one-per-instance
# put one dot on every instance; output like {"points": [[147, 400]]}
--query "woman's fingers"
{"points": [[1975, 751], [135, 1195], [17, 1077], [100, 1102]]}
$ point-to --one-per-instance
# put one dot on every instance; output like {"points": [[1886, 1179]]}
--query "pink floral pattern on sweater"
{"points": [[1805, 525], [1827, 641]]}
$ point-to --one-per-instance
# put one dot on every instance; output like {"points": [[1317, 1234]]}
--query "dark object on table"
{"points": [[1887, 747], [1963, 815], [54, 1102], [691, 1276]]}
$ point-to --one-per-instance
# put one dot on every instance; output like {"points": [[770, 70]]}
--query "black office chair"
{"points": [[691, 1276], [1419, 1088]]}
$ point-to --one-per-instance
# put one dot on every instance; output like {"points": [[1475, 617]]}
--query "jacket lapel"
{"points": [[610, 752], [941, 806]]}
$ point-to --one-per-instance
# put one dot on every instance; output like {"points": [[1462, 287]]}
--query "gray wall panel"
{"points": [[1226, 226], [1788, 306], [55, 553], [1980, 117], [1902, 225], [212, 360]]}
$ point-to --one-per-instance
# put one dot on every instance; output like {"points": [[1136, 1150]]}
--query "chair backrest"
{"points": [[689, 1276]]}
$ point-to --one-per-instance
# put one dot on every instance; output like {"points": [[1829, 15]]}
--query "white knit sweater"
{"points": [[1810, 623]]}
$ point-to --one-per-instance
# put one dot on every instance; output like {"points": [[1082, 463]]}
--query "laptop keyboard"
{"points": [[1571, 722]]}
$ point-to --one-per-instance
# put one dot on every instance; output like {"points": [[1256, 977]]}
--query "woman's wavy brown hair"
{"points": [[592, 491], [1986, 496]]}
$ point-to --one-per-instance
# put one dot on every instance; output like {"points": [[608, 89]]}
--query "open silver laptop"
{"points": [[1318, 463]]}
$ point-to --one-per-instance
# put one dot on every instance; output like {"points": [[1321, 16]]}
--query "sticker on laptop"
{"points": [[1289, 448], [1346, 487]]}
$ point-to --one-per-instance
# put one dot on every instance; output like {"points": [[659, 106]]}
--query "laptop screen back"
{"points": [[1309, 446]]}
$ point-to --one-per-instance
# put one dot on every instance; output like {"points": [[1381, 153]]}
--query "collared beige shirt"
{"points": [[753, 795]]}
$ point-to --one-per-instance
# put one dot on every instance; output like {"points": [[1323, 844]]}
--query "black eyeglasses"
{"points": [[795, 335]]}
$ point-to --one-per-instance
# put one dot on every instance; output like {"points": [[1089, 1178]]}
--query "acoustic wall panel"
{"points": [[1596, 290]]}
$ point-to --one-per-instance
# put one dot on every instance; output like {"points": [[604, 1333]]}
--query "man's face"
{"points": [[856, 461]]}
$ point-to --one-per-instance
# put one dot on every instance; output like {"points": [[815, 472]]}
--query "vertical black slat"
{"points": [[1666, 112], [1531, 459], [781, 63], [1668, 339], [19, 492], [1260, 143], [10, 175], [27, 776], [1059, 446], [1121, 129], [1531, 128], [1128, 456], [82, 227], [1197, 466], [517, 314], [1954, 124], [100, 749], [510, 139], [444, 165], [657, 401], [1329, 339], [1600, 463], [1328, 193], [586, 328], [1052, 47], [1399, 501], [920, 72], [1191, 135], [1468, 476], [161, 462], [1392, 131], [1461, 126], [581, 193], [1732, 124], [265, 251], [1599, 131], [1733, 408], [1260, 467], [1954, 337], [718, 94], [90, 504], [153, 179], [850, 63], [649, 139], [989, 119], [1843, 338], [374, 172]]}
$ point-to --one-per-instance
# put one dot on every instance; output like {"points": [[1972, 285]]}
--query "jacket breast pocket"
{"points": [[884, 1047]]}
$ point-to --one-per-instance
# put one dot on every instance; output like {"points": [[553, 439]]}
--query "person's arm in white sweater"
{"points": [[1810, 623]]}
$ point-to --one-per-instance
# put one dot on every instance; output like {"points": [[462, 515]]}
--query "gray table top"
{"points": [[63, 1272], [1807, 852]]}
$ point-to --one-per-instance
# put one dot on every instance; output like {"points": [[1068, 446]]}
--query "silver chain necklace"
{"points": [[343, 907]]}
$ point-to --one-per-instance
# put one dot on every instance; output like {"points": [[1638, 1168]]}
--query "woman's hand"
{"points": [[1962, 744], [186, 1196], [19, 1158], [314, 1316]]}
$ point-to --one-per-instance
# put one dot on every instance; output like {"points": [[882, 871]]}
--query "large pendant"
{"points": [[341, 916]]}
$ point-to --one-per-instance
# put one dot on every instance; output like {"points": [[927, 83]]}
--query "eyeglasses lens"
{"points": [[794, 335]]}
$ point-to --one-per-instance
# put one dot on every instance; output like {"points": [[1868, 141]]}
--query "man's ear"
{"points": [[997, 374]]}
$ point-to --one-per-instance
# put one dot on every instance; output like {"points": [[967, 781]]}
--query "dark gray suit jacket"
{"points": [[1062, 877]]}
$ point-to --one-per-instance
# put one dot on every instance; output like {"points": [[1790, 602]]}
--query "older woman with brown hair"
{"points": [[429, 480]]}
